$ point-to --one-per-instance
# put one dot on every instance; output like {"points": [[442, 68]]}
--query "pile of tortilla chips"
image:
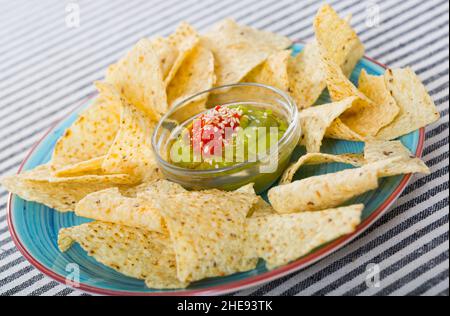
{"points": [[104, 168]]}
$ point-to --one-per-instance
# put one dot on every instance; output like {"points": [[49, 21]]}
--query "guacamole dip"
{"points": [[225, 136]]}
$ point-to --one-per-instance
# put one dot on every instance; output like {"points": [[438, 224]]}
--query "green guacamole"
{"points": [[225, 136]]}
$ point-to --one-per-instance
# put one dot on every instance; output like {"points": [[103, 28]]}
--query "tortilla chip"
{"points": [[417, 109], [138, 77], [385, 109], [380, 150], [196, 74], [280, 239], [323, 191], [374, 87], [131, 251], [60, 193], [183, 41], [167, 54], [153, 189], [90, 136], [306, 74], [208, 232], [91, 166], [238, 49], [132, 152], [261, 208], [339, 130], [133, 207], [111, 206], [272, 72], [315, 121], [365, 117], [307, 78], [356, 160], [338, 39]]}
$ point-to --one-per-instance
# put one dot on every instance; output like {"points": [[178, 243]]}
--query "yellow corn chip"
{"points": [[138, 77], [374, 87], [90, 136], [167, 54], [339, 130], [323, 191], [356, 160], [196, 74], [153, 189], [111, 206], [91, 166], [134, 207], [280, 239], [184, 40], [365, 117], [306, 74], [272, 72], [338, 39], [131, 152], [60, 193], [380, 150], [261, 208], [316, 120], [132, 251], [238, 49], [307, 78], [417, 109], [208, 232]]}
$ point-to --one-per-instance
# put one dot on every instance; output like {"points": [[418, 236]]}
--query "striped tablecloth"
{"points": [[48, 61]]}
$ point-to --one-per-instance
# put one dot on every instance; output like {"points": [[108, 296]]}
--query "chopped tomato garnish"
{"points": [[210, 129]]}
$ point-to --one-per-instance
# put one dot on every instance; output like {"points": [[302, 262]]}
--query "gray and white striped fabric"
{"points": [[48, 64]]}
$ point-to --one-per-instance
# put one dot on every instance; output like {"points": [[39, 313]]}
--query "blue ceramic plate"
{"points": [[34, 227]]}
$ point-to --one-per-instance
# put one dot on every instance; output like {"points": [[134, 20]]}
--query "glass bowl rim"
{"points": [[293, 124]]}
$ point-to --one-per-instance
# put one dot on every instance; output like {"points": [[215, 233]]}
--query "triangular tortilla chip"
{"points": [[374, 87], [208, 232], [183, 41], [90, 136], [272, 72], [356, 160], [138, 77], [261, 208], [339, 130], [238, 49], [417, 109], [328, 190], [196, 74], [153, 189], [316, 120], [280, 239], [380, 150], [91, 166], [167, 54], [365, 117], [132, 152], [306, 74], [112, 205], [131, 251], [60, 193], [307, 78], [339, 40], [323, 191]]}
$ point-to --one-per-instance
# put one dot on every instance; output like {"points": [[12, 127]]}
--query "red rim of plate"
{"points": [[236, 285]]}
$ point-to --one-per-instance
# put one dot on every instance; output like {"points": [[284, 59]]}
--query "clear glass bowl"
{"points": [[235, 176]]}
